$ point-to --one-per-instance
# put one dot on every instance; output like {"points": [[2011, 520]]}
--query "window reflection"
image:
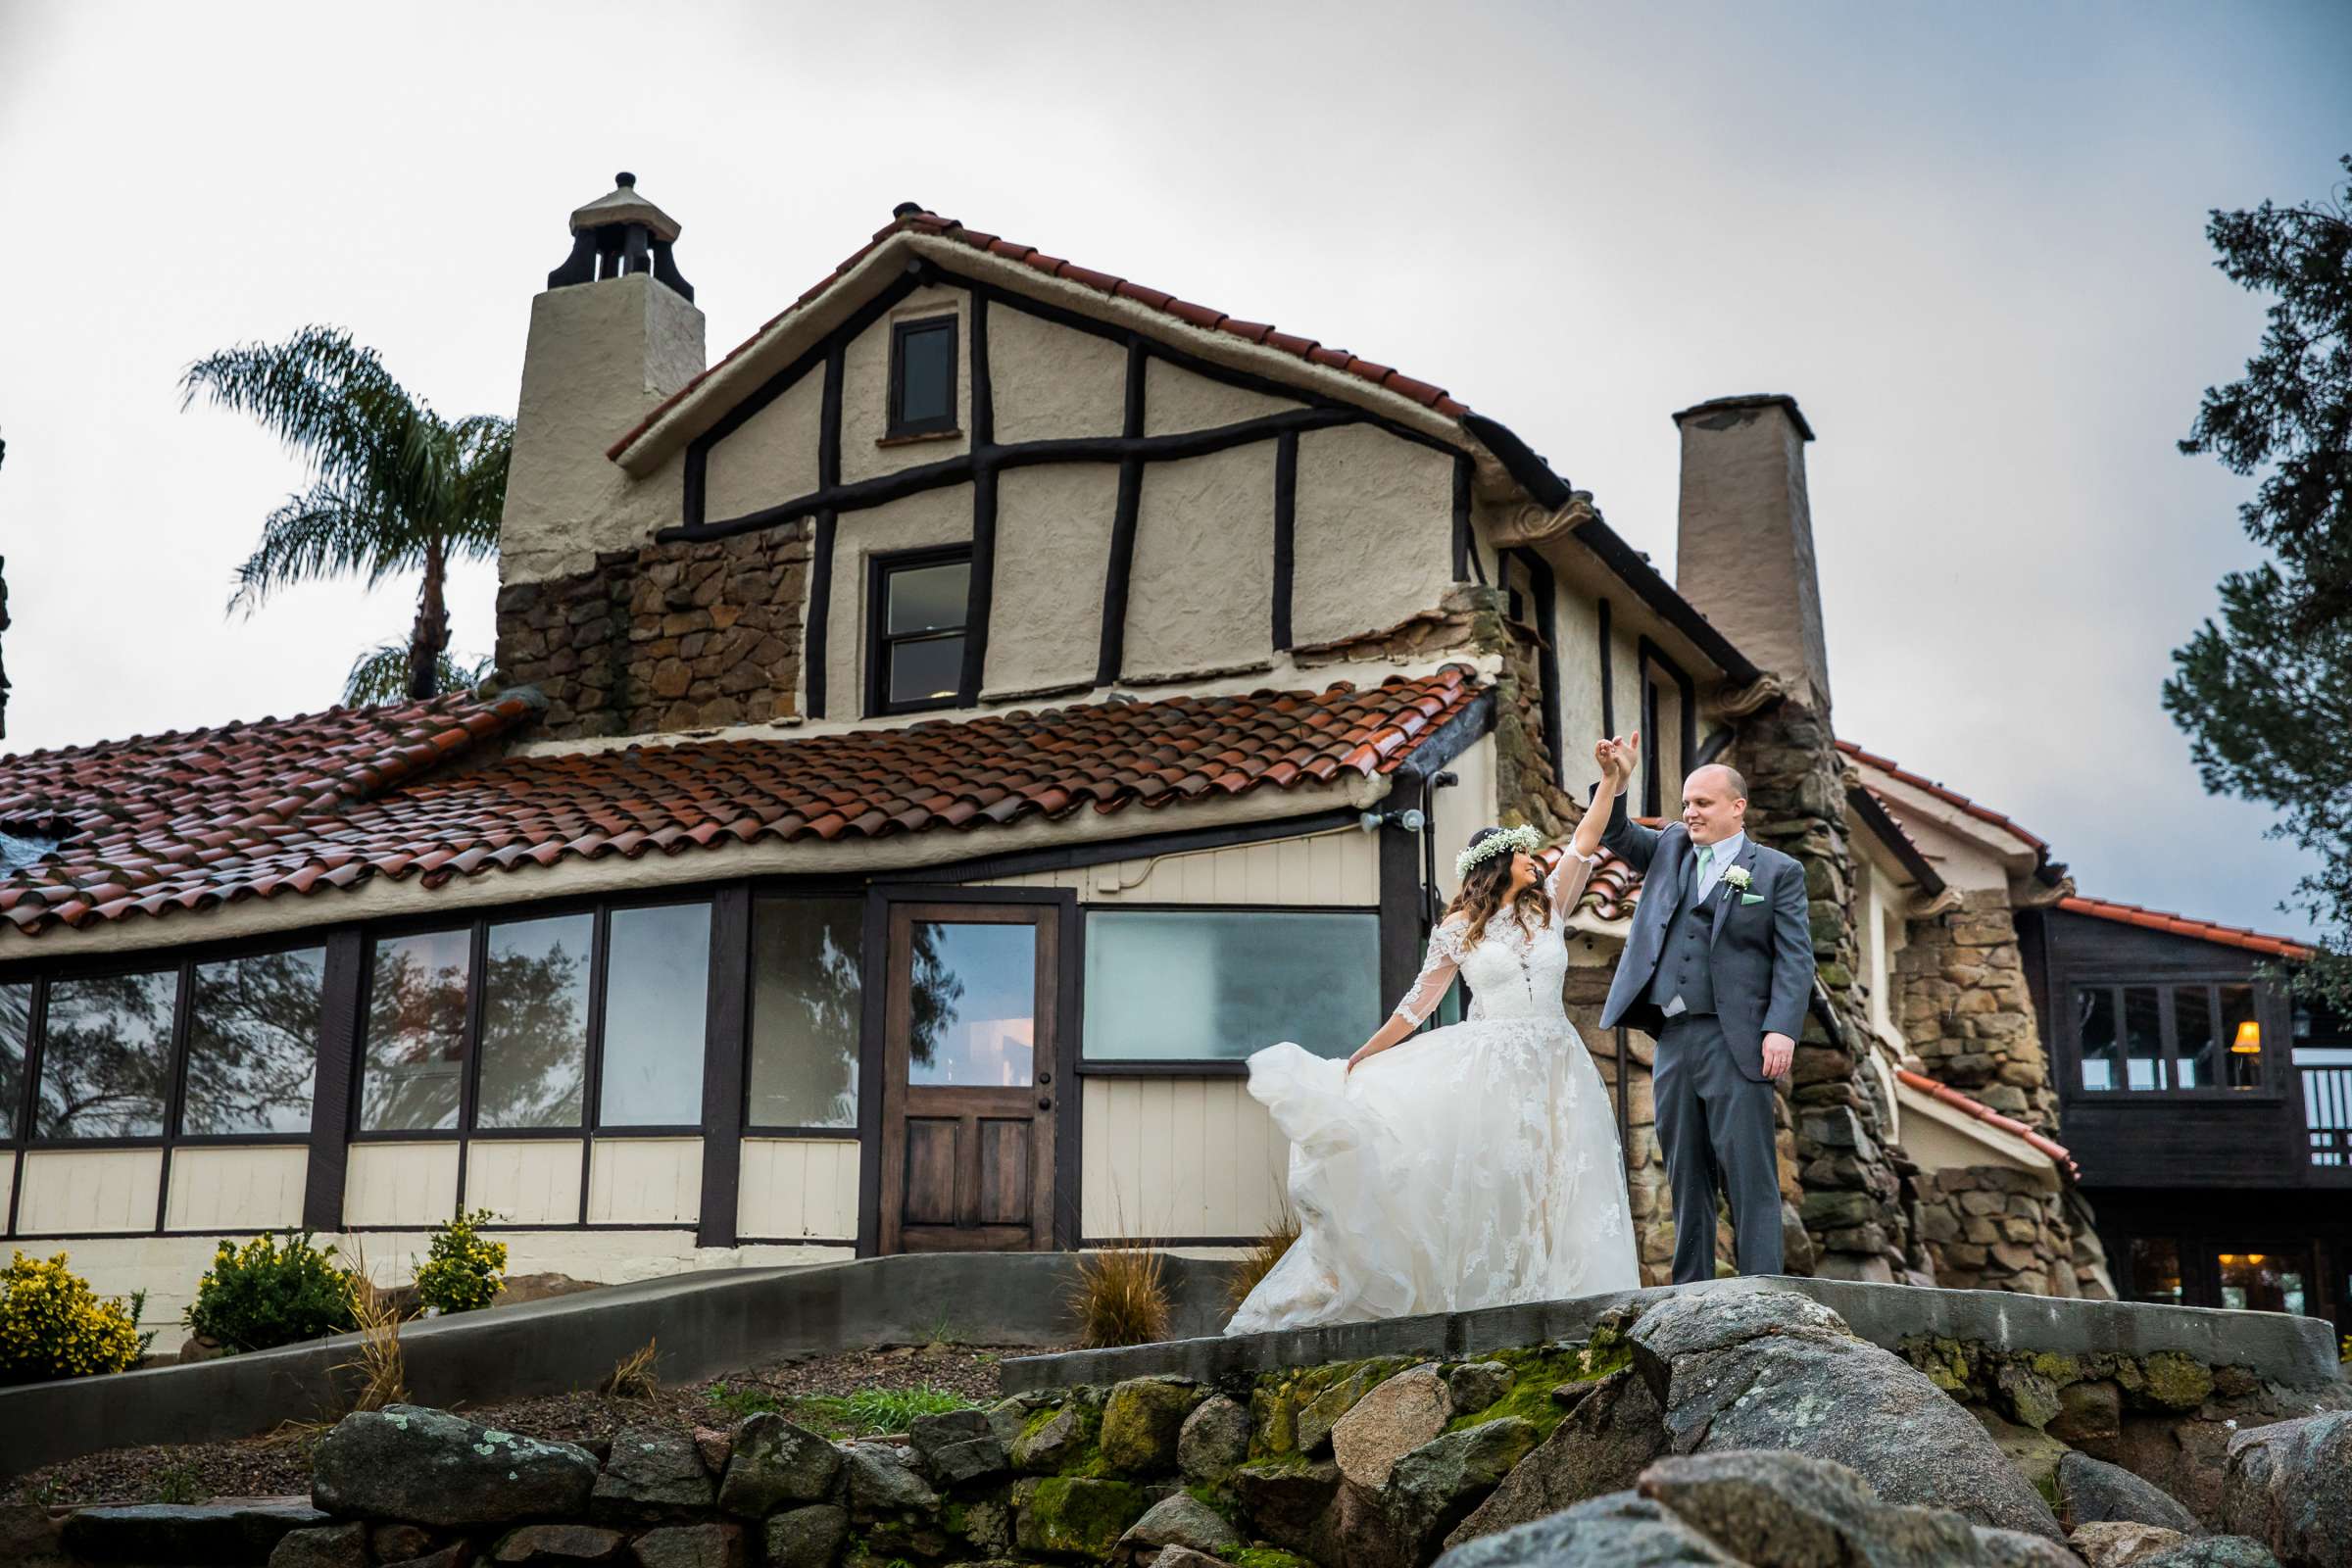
{"points": [[805, 996], [253, 1043], [15, 1036], [535, 1023], [2155, 1269], [2200, 1043], [972, 1018], [1177, 985], [2144, 1038], [106, 1061], [2264, 1282], [2241, 1037], [657, 993], [2094, 1029], [411, 1076]]}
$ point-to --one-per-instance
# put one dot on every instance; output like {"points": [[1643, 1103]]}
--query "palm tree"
{"points": [[394, 487]]}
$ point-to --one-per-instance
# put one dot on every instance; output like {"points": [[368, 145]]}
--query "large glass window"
{"points": [[16, 1042], [2155, 1269], [106, 1058], [2199, 1038], [2095, 1033], [2242, 1036], [2144, 1038], [2262, 1282], [535, 1023], [917, 651], [253, 1044], [411, 1077], [1182, 985], [805, 1012], [657, 994], [973, 1003], [2189, 1036]]}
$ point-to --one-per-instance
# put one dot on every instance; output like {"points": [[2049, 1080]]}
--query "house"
{"points": [[932, 746]]}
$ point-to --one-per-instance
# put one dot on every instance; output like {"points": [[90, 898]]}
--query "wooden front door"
{"points": [[969, 1085]]}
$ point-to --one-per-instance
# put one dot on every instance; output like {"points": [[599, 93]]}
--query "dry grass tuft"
{"points": [[380, 1364], [633, 1375], [1119, 1296], [1263, 1254]]}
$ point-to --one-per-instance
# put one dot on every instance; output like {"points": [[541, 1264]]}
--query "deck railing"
{"points": [[2328, 1115]]}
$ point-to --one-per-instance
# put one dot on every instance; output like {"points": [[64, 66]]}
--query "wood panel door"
{"points": [[968, 1085]]}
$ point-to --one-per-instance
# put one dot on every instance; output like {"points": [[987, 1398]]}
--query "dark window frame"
{"points": [[898, 425], [787, 893], [880, 567], [2275, 1068]]}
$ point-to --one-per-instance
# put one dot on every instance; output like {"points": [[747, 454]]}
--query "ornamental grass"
{"points": [[1119, 1296]]}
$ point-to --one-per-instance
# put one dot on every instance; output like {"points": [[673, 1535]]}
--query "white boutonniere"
{"points": [[1737, 877]]}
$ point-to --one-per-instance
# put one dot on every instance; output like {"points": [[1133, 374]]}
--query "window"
{"points": [[2156, 1269], [1190, 984], [2195, 1037], [915, 656], [2262, 1282], [532, 1025], [16, 1043], [806, 999], [253, 1044], [106, 1057], [974, 1004], [922, 376]]}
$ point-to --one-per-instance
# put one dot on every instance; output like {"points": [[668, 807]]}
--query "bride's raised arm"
{"points": [[1574, 868]]}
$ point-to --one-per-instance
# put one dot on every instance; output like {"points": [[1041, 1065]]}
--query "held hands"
{"points": [[1779, 1051], [1617, 760]]}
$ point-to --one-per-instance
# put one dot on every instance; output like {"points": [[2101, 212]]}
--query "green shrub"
{"points": [[462, 1272], [262, 1294], [51, 1326]]}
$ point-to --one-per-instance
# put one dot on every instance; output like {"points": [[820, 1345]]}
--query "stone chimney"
{"points": [[615, 333], [1745, 554]]}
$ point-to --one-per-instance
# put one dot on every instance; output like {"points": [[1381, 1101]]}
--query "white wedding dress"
{"points": [[1476, 1166]]}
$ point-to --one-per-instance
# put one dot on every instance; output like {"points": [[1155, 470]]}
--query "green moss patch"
{"points": [[1537, 1372]]}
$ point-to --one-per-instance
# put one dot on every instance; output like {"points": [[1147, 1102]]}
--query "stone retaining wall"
{"points": [[1961, 998]]}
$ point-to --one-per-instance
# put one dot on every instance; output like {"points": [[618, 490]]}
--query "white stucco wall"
{"points": [[1576, 621], [1372, 523], [1461, 810], [1202, 594], [1176, 399], [771, 457], [1051, 382], [865, 390], [942, 516], [1053, 526], [1337, 870]]}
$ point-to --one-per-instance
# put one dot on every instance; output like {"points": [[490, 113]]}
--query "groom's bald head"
{"points": [[1714, 803]]}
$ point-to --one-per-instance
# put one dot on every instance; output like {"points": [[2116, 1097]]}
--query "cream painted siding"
{"points": [[1050, 382], [1461, 810], [942, 516], [533, 1181], [645, 1181], [770, 458], [1176, 399], [1053, 548], [1168, 1158], [865, 390], [1204, 564], [400, 1184], [85, 1192], [8, 1180], [1339, 868], [1372, 530], [1576, 622], [219, 1188], [794, 1188]]}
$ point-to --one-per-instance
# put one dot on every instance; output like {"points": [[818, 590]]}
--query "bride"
{"points": [[1475, 1165]]}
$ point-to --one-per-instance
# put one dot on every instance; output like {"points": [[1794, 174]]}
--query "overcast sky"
{"points": [[1968, 239]]}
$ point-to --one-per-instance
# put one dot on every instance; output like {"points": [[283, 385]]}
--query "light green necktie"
{"points": [[1705, 853]]}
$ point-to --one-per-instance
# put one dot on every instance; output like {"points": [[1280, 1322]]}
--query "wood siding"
{"points": [[525, 1180], [645, 1181], [89, 1191], [227, 1189], [1178, 1159], [400, 1184], [798, 1187]]}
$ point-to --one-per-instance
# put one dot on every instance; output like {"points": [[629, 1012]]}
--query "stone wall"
{"points": [[1961, 998], [1996, 1228], [662, 637]]}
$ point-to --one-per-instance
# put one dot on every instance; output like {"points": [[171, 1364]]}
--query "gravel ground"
{"points": [[811, 1390]]}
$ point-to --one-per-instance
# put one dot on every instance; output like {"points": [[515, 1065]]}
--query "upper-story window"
{"points": [[2152, 1038], [922, 376], [914, 653]]}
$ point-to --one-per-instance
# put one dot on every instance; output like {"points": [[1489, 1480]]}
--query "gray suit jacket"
{"points": [[1762, 958]]}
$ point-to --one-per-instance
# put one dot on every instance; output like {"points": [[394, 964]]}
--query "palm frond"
{"points": [[381, 675], [327, 399], [327, 532]]}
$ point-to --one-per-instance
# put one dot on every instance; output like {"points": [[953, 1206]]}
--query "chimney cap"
{"points": [[1751, 400], [623, 205], [908, 210]]}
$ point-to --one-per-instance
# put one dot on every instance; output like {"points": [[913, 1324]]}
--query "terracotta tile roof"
{"points": [[1610, 892], [2186, 927], [1949, 797], [1200, 316], [330, 801], [1990, 1117]]}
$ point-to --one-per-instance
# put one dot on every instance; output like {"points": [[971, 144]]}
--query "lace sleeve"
{"points": [[1566, 883], [1437, 974]]}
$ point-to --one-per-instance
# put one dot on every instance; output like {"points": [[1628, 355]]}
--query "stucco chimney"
{"points": [[1745, 551], [615, 332]]}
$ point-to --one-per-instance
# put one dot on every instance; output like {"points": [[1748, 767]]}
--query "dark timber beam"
{"points": [[726, 1038], [1285, 541], [820, 542], [1119, 572], [982, 583], [1465, 549], [331, 1089]]}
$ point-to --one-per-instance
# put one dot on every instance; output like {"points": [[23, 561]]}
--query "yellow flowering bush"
{"points": [[463, 1271], [52, 1327], [261, 1295]]}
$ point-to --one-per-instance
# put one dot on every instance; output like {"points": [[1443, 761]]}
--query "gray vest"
{"points": [[1683, 968]]}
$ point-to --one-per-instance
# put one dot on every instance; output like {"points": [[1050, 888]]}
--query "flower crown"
{"points": [[1524, 837]]}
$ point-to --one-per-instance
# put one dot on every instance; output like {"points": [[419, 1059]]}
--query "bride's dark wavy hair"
{"points": [[1484, 890]]}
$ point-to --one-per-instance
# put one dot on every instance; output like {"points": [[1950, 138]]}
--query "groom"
{"points": [[1718, 969]]}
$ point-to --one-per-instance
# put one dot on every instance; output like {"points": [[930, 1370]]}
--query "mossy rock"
{"points": [[1944, 1361], [1081, 1516], [1339, 1394], [1268, 1557], [1063, 1442], [1273, 1421], [2059, 1368], [1536, 1374], [2177, 1381], [1141, 1421]]}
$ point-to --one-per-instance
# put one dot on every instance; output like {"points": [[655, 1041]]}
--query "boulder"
{"points": [[1768, 1368], [2189, 1460], [704, 1545], [884, 1481], [2030, 1453], [428, 1467], [1604, 1443], [559, 1543], [1186, 1557], [1396, 1417], [1214, 1439], [1616, 1531], [1434, 1488], [2212, 1551], [456, 1554], [716, 1447], [805, 1538], [2092, 1490], [2088, 1412], [774, 1462], [1075, 1515], [1475, 1384], [1044, 1447], [2117, 1543], [1321, 1413], [239, 1533], [652, 1474], [1142, 1421], [987, 1526], [343, 1546], [2290, 1486], [29, 1536], [398, 1542], [1181, 1520], [1285, 1502]]}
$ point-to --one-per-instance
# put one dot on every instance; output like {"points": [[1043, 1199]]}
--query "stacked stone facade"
{"points": [[1992, 1228], [662, 637], [1960, 994]]}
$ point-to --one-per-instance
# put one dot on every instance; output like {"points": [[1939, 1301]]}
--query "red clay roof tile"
{"points": [[1949, 797], [1990, 1116], [2186, 927]]}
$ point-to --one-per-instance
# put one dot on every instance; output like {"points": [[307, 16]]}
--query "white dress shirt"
{"points": [[1720, 856]]}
